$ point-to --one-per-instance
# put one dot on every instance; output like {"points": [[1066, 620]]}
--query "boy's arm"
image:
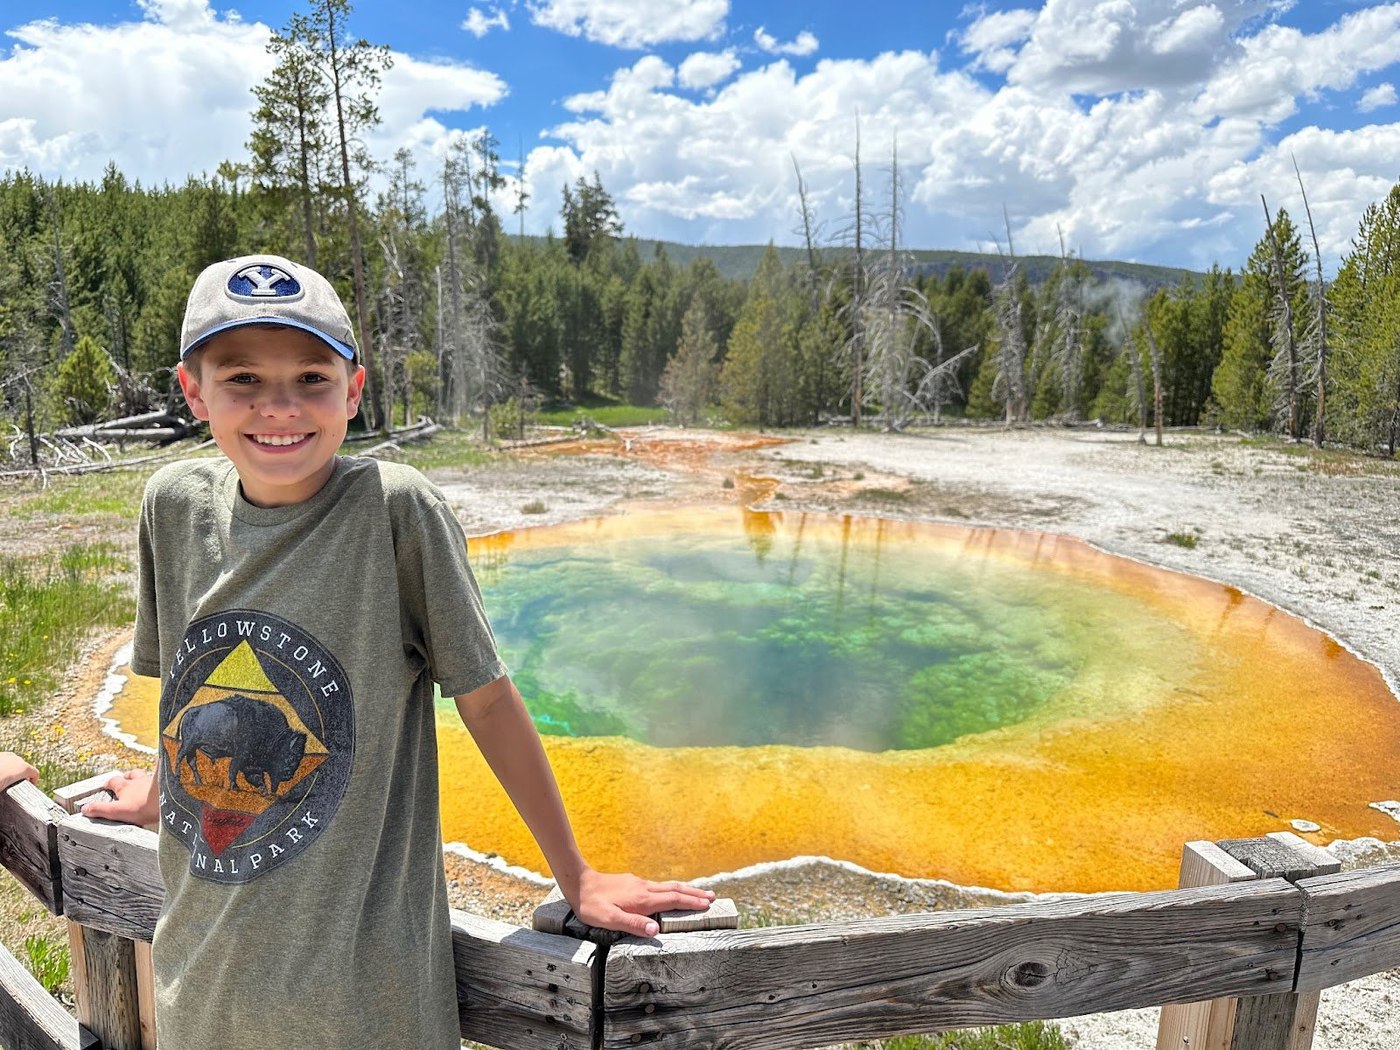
{"points": [[135, 800], [502, 728], [13, 769]]}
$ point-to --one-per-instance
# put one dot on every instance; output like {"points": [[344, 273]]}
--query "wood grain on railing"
{"points": [[801, 986], [29, 842]]}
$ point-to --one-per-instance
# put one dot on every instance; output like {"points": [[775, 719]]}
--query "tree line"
{"points": [[455, 315]]}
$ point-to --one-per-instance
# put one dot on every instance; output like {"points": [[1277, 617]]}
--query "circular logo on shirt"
{"points": [[256, 745]]}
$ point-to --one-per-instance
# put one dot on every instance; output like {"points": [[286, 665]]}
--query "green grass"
{"points": [[608, 415], [1183, 539], [47, 957], [1036, 1035], [48, 604], [79, 498], [447, 448], [886, 495]]}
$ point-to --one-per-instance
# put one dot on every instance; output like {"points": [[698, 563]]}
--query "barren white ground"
{"points": [[1315, 536]]}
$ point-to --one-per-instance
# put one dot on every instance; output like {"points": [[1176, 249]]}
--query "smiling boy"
{"points": [[299, 607]]}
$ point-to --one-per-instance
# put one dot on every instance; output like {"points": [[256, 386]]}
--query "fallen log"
{"points": [[151, 426]]}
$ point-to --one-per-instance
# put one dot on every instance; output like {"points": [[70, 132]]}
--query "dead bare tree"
{"points": [[394, 326], [817, 277], [1009, 385], [401, 293], [854, 234], [1315, 338], [896, 313], [1067, 349], [1138, 389], [451, 327], [1285, 369], [1155, 357], [940, 384], [481, 367], [60, 302]]}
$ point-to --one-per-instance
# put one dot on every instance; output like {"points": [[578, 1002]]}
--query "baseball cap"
{"points": [[265, 289]]}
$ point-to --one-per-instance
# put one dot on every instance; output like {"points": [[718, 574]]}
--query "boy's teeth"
{"points": [[277, 439]]}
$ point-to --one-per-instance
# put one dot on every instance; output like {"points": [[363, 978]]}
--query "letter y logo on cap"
{"points": [[261, 281]]}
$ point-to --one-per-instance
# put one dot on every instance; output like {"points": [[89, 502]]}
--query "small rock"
{"points": [[1306, 826]]}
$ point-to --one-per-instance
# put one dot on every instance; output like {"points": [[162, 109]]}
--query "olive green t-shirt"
{"points": [[300, 844]]}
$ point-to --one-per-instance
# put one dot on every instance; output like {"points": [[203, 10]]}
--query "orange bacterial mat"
{"points": [[1232, 723]]}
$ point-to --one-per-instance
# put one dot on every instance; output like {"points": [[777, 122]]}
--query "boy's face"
{"points": [[277, 401]]}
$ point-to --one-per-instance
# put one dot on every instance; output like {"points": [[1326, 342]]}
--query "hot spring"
{"points": [[1018, 710]]}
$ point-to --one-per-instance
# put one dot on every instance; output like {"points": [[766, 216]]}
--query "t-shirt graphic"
{"points": [[257, 742]]}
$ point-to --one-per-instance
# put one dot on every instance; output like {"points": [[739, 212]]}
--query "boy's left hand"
{"points": [[627, 903]]}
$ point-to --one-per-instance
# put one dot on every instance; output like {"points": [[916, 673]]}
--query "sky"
{"points": [[1138, 130]]}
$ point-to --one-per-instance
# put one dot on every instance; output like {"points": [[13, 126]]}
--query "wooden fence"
{"points": [[1257, 929]]}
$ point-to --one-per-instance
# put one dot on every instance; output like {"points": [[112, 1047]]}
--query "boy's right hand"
{"points": [[13, 769], [133, 801]]}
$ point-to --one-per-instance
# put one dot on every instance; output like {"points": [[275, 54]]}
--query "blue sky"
{"points": [[1142, 131]]}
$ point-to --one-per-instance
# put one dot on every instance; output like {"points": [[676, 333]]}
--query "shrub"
{"points": [[82, 386], [48, 961]]}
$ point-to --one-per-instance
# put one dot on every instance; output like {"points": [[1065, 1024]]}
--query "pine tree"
{"points": [[1242, 386], [290, 145], [691, 380], [756, 380], [1366, 302], [81, 389]]}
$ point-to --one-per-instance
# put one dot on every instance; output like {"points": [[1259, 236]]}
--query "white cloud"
{"points": [[156, 98], [1343, 171], [990, 37], [1280, 64], [178, 14], [478, 23], [1159, 168], [707, 68], [1379, 97], [1106, 47], [171, 94], [728, 159], [633, 23], [804, 44]]}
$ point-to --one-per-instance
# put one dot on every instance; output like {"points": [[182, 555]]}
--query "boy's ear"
{"points": [[355, 392], [189, 386]]}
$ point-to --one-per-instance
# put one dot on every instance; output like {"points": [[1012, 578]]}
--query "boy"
{"points": [[299, 606]]}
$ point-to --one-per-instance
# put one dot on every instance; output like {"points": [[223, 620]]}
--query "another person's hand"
{"points": [[13, 769], [626, 902], [133, 799]]}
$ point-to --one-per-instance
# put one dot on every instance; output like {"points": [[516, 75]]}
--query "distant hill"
{"points": [[740, 261]]}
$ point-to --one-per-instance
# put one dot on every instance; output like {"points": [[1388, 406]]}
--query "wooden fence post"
{"points": [[1278, 1021], [1281, 1020], [108, 981], [1206, 1025]]}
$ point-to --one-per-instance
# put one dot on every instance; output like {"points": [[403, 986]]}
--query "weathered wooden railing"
{"points": [[1258, 927]]}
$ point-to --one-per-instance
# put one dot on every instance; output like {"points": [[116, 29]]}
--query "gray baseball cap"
{"points": [[265, 289]]}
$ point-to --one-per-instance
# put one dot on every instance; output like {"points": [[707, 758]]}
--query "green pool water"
{"points": [[736, 628]]}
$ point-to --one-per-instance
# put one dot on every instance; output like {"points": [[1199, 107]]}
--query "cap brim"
{"points": [[345, 350]]}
